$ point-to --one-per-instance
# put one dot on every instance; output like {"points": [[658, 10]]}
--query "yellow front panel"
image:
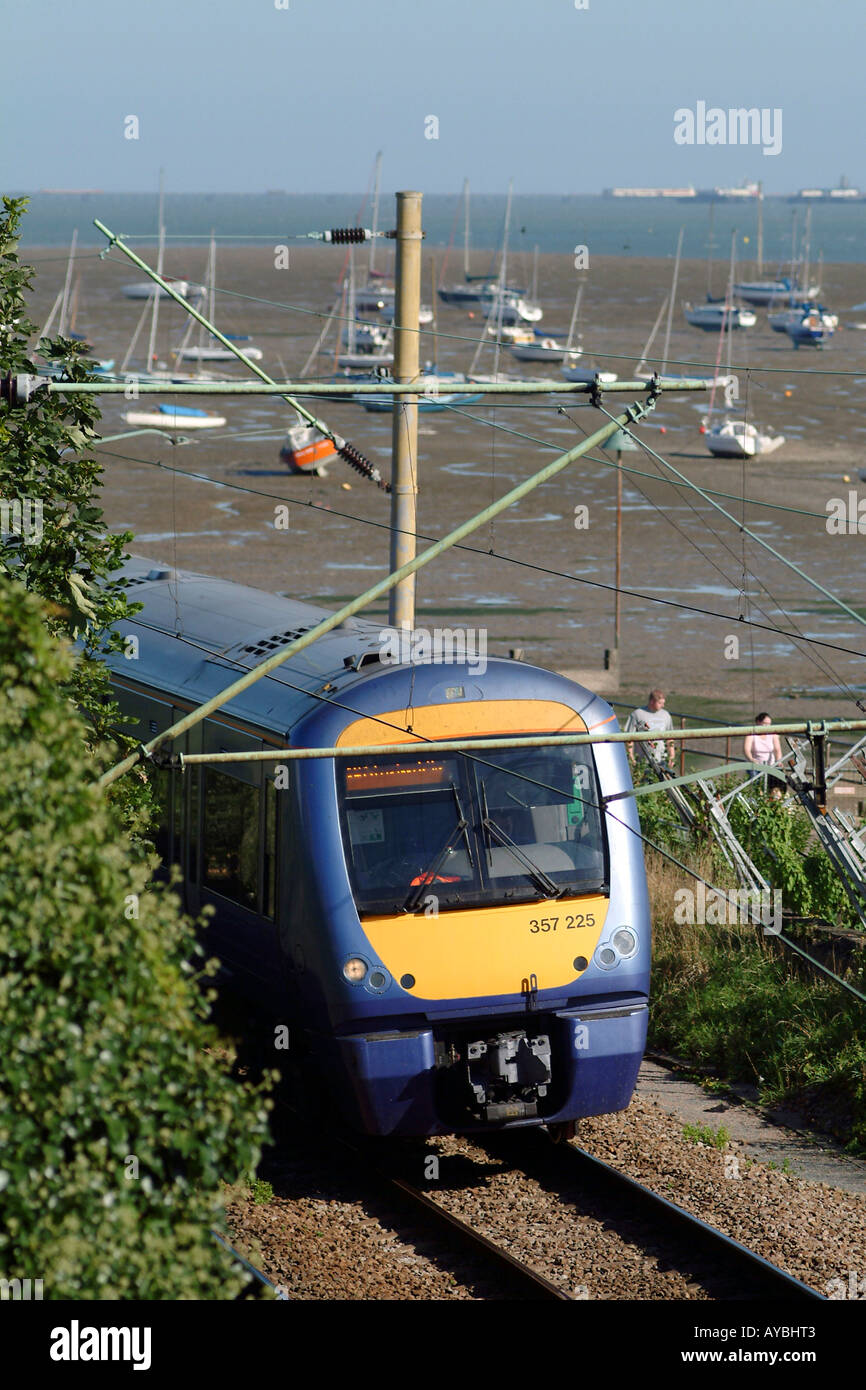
{"points": [[464, 719], [489, 950]]}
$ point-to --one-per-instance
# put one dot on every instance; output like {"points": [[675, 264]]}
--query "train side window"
{"points": [[231, 838], [161, 786], [270, 850]]}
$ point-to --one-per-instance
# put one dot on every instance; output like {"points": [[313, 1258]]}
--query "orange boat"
{"points": [[307, 450]]}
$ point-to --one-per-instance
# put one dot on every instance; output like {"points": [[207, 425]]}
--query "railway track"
{"points": [[725, 1267], [496, 1268], [590, 1188]]}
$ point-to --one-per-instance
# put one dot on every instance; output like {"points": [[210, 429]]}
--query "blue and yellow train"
{"points": [[457, 941]]}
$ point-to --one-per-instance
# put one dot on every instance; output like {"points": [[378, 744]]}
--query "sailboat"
{"points": [[715, 317], [147, 289], [570, 369], [368, 344], [735, 438], [669, 301], [66, 321], [804, 323], [738, 439], [466, 293], [765, 292], [175, 416], [209, 349]]}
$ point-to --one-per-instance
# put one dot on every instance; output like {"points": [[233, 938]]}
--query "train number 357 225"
{"points": [[577, 919]]}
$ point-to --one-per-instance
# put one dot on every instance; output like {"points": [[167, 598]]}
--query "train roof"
{"points": [[196, 634]]}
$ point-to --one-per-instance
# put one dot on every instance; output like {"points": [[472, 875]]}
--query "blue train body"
{"points": [[455, 941]]}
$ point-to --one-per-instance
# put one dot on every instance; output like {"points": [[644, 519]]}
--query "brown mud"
{"points": [[675, 546]]}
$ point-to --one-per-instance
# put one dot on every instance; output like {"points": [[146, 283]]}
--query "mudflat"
{"points": [[540, 588]]}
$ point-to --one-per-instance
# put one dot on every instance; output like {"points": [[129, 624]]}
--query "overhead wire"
{"points": [[496, 555], [824, 666], [467, 338]]}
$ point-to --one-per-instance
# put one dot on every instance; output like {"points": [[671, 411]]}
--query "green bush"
{"points": [[71, 559], [117, 1127]]}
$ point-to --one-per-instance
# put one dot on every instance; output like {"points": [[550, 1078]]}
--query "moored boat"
{"points": [[164, 416], [714, 316], [544, 350], [739, 439], [763, 292], [808, 323], [306, 450]]}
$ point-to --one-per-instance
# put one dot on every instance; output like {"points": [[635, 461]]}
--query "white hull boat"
{"points": [[804, 324], [425, 313], [148, 290], [589, 374], [174, 417], [740, 440], [217, 354], [511, 309], [545, 350], [365, 361], [710, 317], [372, 299], [763, 292]]}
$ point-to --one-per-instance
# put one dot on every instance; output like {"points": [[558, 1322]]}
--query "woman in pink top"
{"points": [[762, 748]]}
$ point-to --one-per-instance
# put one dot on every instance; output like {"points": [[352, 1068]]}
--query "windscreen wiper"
{"points": [[535, 872], [461, 827]]}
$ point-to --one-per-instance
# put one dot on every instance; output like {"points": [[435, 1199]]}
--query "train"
{"points": [[452, 941]]}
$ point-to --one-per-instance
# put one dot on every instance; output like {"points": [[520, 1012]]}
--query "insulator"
{"points": [[355, 459], [346, 236]]}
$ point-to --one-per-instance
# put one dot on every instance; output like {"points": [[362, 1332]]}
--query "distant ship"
{"points": [[649, 193], [843, 194], [731, 195]]}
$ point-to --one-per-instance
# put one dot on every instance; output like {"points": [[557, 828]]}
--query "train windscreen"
{"points": [[465, 829]]}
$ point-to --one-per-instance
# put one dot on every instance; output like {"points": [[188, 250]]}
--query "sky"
{"points": [[298, 95]]}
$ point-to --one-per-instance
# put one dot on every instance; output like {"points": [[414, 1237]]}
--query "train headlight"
{"points": [[355, 969], [622, 945], [624, 942]]}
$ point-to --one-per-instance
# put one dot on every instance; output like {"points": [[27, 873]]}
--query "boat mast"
{"points": [[651, 339], [73, 312], [134, 339], [726, 315], [351, 308], [760, 230], [807, 248], [371, 265], [151, 346], [710, 247], [672, 298], [533, 291], [466, 274], [505, 231], [571, 327], [64, 303]]}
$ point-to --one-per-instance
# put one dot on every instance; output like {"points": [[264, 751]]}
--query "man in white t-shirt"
{"points": [[653, 716]]}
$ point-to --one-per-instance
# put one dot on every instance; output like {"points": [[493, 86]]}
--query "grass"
{"points": [[261, 1192], [732, 998], [706, 1135]]}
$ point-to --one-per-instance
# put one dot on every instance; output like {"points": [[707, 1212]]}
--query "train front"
{"points": [[474, 926]]}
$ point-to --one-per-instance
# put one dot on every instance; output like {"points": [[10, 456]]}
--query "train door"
{"points": [[237, 865]]}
